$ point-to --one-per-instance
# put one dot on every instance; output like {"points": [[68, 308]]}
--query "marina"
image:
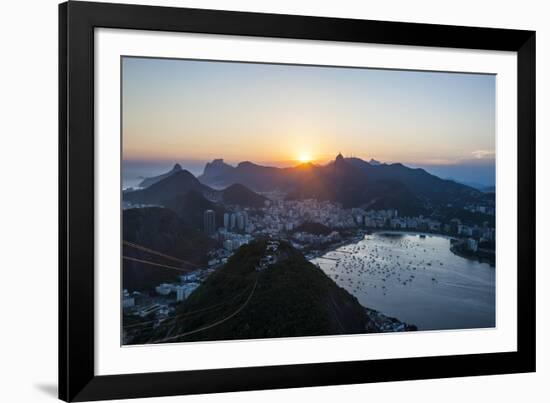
{"points": [[416, 278]]}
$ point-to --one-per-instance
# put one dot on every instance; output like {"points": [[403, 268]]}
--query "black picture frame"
{"points": [[77, 379]]}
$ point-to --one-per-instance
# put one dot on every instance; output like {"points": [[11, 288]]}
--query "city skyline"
{"points": [[281, 115]]}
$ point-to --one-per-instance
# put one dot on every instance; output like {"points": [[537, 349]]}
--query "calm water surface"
{"points": [[417, 280]]}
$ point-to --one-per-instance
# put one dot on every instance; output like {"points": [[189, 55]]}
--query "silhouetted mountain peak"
{"points": [[166, 188], [155, 179], [343, 164], [306, 165], [182, 174], [217, 163], [216, 167], [374, 162], [246, 164], [350, 181], [236, 187]]}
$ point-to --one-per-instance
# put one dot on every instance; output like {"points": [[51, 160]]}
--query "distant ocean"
{"points": [[133, 172]]}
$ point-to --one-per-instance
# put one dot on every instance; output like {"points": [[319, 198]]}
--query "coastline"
{"points": [[359, 236], [397, 231], [475, 257], [363, 232], [380, 322]]}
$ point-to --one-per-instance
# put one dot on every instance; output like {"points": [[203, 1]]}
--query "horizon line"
{"points": [[488, 160]]}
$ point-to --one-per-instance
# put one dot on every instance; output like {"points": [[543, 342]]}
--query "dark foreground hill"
{"points": [[289, 298], [190, 207], [161, 230]]}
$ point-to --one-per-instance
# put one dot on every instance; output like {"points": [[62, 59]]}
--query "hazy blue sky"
{"points": [[180, 110]]}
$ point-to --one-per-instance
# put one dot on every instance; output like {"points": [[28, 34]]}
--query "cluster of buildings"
{"points": [[161, 302], [182, 291], [484, 233], [286, 215], [277, 218], [233, 240], [390, 219], [374, 218], [236, 221], [210, 222], [476, 208], [270, 257], [129, 205], [129, 300], [281, 218]]}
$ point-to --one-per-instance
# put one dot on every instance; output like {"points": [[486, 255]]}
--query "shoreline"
{"points": [[476, 258], [364, 232], [379, 321], [453, 239], [396, 231], [385, 324]]}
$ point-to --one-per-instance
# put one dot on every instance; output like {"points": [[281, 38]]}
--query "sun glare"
{"points": [[304, 158]]}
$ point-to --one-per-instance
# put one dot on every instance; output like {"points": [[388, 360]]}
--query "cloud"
{"points": [[483, 154]]}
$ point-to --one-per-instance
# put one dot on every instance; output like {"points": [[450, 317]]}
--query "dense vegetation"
{"points": [[313, 228], [241, 195], [190, 207]]}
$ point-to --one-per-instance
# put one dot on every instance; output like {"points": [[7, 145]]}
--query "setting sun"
{"points": [[304, 158]]}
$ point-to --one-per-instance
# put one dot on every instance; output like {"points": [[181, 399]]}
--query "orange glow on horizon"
{"points": [[304, 158]]}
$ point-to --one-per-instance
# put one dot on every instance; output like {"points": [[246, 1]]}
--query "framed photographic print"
{"points": [[254, 201]]}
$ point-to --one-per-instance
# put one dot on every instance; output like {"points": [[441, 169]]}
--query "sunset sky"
{"points": [[194, 111]]}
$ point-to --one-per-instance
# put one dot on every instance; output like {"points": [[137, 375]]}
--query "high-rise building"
{"points": [[240, 221], [180, 293], [233, 222], [245, 219], [226, 221], [209, 222]]}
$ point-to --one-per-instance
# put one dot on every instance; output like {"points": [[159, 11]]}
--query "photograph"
{"points": [[265, 200], [275, 202]]}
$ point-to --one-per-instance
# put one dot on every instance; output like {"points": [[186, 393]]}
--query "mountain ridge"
{"points": [[350, 181]]}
